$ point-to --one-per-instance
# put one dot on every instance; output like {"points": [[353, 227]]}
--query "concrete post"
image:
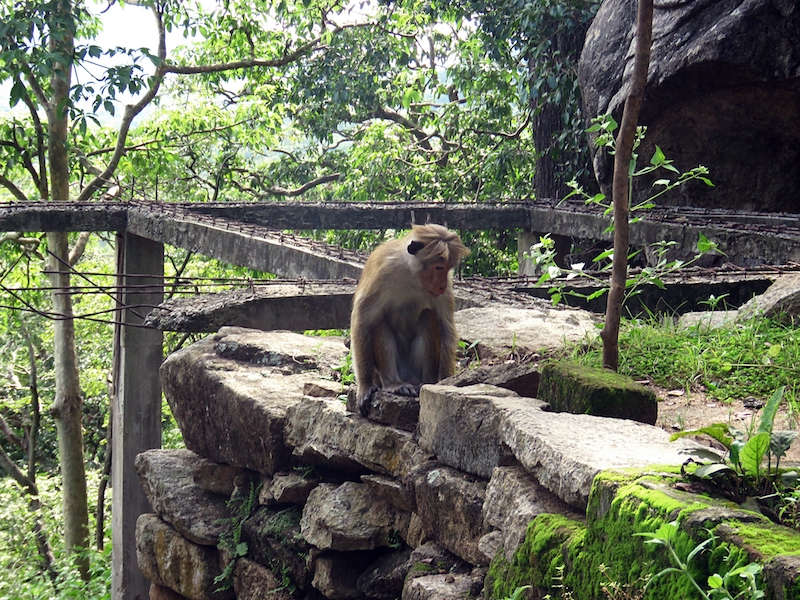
{"points": [[136, 405]]}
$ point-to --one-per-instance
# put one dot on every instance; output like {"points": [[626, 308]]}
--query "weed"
{"points": [[231, 540], [738, 583], [347, 375]]}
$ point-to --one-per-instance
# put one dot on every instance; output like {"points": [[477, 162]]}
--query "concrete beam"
{"points": [[296, 307], [63, 216], [253, 247], [369, 215]]}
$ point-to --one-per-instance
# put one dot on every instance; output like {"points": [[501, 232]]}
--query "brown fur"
{"points": [[402, 331]]}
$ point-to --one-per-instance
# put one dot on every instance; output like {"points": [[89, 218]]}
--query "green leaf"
{"points": [[780, 442], [708, 471], [717, 431], [603, 255], [714, 581], [704, 245], [658, 157], [753, 453], [703, 453], [770, 410], [596, 294], [17, 93]]}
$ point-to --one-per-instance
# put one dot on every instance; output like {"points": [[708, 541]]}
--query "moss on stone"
{"points": [[538, 558], [574, 388], [607, 548], [762, 540]]}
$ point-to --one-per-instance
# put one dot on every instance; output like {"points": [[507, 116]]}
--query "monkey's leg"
{"points": [[426, 348], [388, 359]]}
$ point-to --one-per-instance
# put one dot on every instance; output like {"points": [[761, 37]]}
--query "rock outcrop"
{"points": [[723, 91]]}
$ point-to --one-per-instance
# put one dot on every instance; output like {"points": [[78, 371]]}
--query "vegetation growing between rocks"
{"points": [[613, 556]]}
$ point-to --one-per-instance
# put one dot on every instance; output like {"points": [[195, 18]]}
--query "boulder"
{"points": [[168, 482], [781, 300], [397, 411], [462, 427], [570, 387], [450, 505], [273, 540], [288, 488], [501, 330], [520, 378], [723, 91], [168, 559], [252, 581], [513, 499], [438, 587], [563, 451], [350, 517], [239, 381], [383, 579], [322, 432], [336, 574]]}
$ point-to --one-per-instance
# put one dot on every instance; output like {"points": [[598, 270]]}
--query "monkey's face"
{"points": [[434, 278]]}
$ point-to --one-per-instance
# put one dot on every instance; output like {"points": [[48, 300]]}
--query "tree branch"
{"points": [[284, 60], [80, 245], [279, 191], [131, 111]]}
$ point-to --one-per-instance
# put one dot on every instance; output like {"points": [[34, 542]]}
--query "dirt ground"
{"points": [[679, 411]]}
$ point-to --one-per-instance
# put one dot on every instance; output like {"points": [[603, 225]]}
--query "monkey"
{"points": [[401, 328]]}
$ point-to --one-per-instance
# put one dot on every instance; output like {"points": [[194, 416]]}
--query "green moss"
{"points": [[538, 558], [574, 388], [607, 549], [765, 540]]}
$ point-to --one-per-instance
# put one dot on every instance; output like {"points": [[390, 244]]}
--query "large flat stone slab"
{"points": [[229, 392], [167, 477], [323, 432], [563, 451], [503, 328]]}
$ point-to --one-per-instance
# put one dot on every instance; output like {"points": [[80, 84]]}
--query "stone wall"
{"points": [[282, 492]]}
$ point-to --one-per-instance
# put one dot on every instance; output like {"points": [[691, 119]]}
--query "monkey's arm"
{"points": [[449, 346], [361, 345]]}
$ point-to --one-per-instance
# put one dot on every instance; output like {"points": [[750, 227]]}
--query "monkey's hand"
{"points": [[364, 396], [403, 389]]}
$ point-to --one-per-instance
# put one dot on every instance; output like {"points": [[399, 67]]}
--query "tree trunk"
{"points": [[551, 170], [67, 407], [620, 185]]}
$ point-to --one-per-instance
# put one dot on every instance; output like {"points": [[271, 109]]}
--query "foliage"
{"points": [[543, 255], [746, 451], [604, 126], [21, 577], [738, 583], [242, 507], [733, 361], [741, 474]]}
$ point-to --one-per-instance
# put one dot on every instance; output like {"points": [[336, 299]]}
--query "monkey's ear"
{"points": [[415, 247]]}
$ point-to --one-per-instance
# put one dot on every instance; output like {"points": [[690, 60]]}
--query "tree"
{"points": [[620, 185]]}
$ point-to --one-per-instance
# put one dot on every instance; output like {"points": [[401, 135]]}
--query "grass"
{"points": [[734, 361]]}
